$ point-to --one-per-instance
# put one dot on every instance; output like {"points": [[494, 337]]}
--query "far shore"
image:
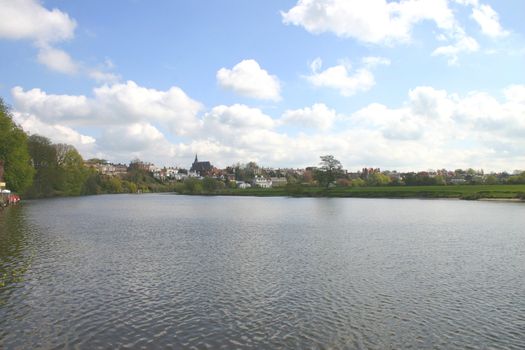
{"points": [[515, 193]]}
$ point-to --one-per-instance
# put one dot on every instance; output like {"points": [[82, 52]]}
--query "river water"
{"points": [[167, 271]]}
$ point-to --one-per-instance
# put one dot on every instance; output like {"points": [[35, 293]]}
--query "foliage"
{"points": [[457, 191], [47, 177], [74, 173], [491, 180], [358, 182], [343, 182], [210, 185], [420, 179], [330, 169], [14, 152], [517, 179], [192, 185], [378, 179]]}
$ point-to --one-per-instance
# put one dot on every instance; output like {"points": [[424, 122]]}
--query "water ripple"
{"points": [[160, 271]]}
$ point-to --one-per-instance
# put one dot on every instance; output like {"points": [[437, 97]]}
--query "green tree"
{"points": [[48, 177], [14, 152], [378, 179], [92, 182], [211, 185], [358, 182], [330, 169], [193, 185], [440, 180], [491, 180], [74, 172]]}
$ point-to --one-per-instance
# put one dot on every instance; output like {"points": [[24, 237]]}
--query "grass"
{"points": [[471, 192]]}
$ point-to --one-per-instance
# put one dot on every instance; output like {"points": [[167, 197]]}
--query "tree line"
{"points": [[37, 168]]}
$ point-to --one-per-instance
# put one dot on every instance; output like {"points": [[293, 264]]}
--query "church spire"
{"points": [[196, 159]]}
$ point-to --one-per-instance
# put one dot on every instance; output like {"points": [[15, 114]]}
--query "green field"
{"points": [[453, 191]]}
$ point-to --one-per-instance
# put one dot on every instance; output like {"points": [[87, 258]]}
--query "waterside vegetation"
{"points": [[468, 192]]}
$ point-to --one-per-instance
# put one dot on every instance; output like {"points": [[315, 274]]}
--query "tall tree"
{"points": [[330, 170], [74, 172], [18, 172], [48, 176]]}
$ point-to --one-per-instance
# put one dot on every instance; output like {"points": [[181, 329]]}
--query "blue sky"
{"points": [[408, 84]]}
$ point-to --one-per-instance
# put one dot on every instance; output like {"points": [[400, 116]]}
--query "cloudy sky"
{"points": [[407, 84]]}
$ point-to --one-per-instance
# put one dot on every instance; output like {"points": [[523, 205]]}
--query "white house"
{"points": [[260, 181]]}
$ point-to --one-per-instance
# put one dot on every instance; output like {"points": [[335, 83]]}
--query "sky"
{"points": [[400, 85]]}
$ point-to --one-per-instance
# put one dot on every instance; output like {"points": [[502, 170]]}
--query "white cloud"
{"points": [[248, 79], [319, 116], [391, 22], [51, 108], [58, 133], [28, 19], [234, 125], [437, 118], [515, 94], [425, 101], [373, 61], [463, 44], [57, 60], [373, 21], [129, 102], [431, 129], [240, 117], [112, 105], [339, 77], [104, 77], [135, 137], [488, 20], [126, 116]]}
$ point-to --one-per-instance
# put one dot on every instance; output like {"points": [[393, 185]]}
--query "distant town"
{"points": [[251, 174]]}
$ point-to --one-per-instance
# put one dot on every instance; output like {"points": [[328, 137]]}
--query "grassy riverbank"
{"points": [[471, 192]]}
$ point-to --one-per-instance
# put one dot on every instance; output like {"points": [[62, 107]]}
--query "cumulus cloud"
{"points": [[341, 77], [131, 102], [462, 44], [432, 128], [248, 79], [49, 107], [133, 138], [57, 60], [126, 115], [391, 22], [239, 116], [103, 77], [28, 19], [373, 21], [58, 133], [319, 116], [488, 20]]}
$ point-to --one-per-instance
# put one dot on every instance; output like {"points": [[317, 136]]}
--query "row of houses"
{"points": [[272, 177], [264, 182]]}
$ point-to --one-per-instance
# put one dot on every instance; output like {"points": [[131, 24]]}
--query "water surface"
{"points": [[166, 271]]}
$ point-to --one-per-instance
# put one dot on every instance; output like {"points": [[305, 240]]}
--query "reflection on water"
{"points": [[16, 254], [163, 271]]}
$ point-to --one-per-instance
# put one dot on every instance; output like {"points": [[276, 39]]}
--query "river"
{"points": [[167, 271]]}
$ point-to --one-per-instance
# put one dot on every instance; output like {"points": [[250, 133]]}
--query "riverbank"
{"points": [[467, 192]]}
